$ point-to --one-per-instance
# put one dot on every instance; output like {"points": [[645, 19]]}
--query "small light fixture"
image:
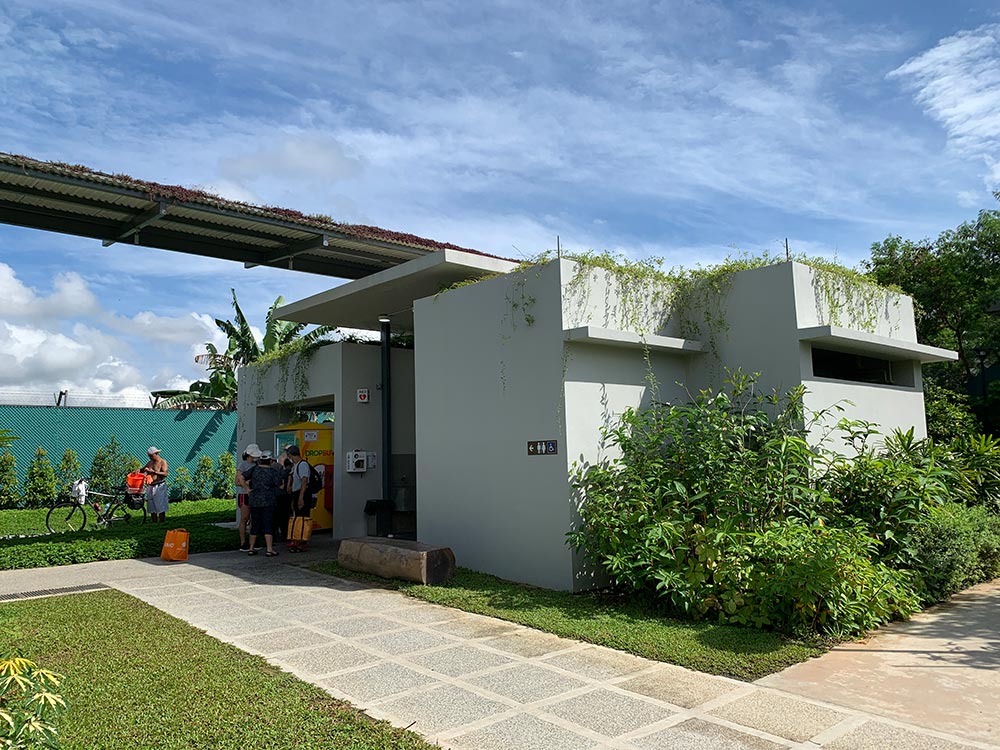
{"points": [[383, 318]]}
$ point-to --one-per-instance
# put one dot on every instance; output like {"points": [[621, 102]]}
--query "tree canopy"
{"points": [[219, 391]]}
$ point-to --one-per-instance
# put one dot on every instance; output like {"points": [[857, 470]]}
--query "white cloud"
{"points": [[958, 84], [70, 297]]}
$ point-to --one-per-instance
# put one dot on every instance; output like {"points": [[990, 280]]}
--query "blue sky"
{"points": [[684, 130]]}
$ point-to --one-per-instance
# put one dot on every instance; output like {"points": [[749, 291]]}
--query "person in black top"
{"points": [[265, 484]]}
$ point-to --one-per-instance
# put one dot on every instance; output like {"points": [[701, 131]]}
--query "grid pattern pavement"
{"points": [[475, 683]]}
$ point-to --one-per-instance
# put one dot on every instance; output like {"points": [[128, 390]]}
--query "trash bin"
{"points": [[378, 514]]}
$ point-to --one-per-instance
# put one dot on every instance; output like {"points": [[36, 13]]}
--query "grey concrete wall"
{"points": [[755, 331], [487, 382], [335, 374], [878, 311]]}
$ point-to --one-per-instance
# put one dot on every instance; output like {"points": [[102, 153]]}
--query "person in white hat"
{"points": [[157, 496], [250, 456]]}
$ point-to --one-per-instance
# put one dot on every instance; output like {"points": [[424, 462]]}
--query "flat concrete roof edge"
{"points": [[870, 343], [611, 337]]}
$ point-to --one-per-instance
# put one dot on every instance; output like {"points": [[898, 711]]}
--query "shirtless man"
{"points": [[157, 497]]}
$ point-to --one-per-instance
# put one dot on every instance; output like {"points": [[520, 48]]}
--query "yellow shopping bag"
{"points": [[301, 529], [175, 546]]}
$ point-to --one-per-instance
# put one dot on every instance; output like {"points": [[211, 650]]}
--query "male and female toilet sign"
{"points": [[543, 447]]}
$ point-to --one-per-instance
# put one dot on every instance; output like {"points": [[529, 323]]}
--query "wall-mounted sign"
{"points": [[543, 447], [362, 395]]}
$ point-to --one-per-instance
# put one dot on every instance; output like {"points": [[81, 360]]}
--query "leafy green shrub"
{"points": [[225, 476], [203, 480], [180, 485], [29, 705], [714, 506], [10, 485], [40, 482], [109, 467], [978, 456], [949, 415], [69, 471], [957, 547], [890, 490]]}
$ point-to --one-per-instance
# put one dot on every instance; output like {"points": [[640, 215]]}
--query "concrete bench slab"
{"points": [[398, 558]]}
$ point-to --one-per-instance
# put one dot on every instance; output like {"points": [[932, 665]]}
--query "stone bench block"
{"points": [[398, 558]]}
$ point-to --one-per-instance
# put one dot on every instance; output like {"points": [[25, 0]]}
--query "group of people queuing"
{"points": [[270, 493]]}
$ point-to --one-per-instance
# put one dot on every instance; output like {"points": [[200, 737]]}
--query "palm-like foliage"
{"points": [[219, 391]]}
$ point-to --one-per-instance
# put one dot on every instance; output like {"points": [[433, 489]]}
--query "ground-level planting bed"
{"points": [[635, 627], [123, 542], [137, 678]]}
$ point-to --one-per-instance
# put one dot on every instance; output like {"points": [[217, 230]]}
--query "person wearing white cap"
{"points": [[250, 456], [157, 497]]}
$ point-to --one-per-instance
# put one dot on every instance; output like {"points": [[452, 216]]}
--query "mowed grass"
{"points": [[118, 543], [640, 628], [139, 679]]}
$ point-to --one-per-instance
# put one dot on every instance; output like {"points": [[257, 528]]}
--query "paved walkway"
{"points": [[472, 682], [940, 670]]}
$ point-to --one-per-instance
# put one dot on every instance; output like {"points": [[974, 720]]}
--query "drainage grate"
{"points": [[52, 592]]}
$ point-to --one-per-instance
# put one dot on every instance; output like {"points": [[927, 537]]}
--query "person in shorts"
{"points": [[157, 495], [302, 501], [250, 455]]}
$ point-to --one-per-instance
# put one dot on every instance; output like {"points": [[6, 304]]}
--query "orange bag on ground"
{"points": [[301, 529], [175, 546]]}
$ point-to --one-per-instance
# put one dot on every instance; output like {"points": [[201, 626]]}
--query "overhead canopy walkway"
{"points": [[76, 200]]}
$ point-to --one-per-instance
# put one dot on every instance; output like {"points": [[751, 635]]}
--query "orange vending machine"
{"points": [[315, 441]]}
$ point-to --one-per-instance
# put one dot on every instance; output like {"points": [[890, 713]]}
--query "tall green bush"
{"points": [[956, 547], [714, 506], [69, 471], [224, 481], [180, 485], [109, 467], [10, 485], [40, 482], [203, 480]]}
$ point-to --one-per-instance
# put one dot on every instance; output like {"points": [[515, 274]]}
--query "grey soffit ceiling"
{"points": [[119, 209]]}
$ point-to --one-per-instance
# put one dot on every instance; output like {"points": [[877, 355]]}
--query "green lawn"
{"points": [[95, 543], [138, 679], [742, 653]]}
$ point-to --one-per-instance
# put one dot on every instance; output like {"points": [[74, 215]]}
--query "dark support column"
{"points": [[383, 521]]}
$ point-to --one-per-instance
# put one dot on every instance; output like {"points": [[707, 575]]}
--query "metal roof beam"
{"points": [[47, 219], [140, 221], [297, 248]]}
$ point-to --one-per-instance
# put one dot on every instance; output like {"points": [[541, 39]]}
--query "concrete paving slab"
{"points": [[679, 686], [377, 682], [529, 643], [405, 641], [277, 641], [231, 628], [321, 612], [472, 626], [438, 709], [527, 683], [459, 660], [598, 663], [874, 735], [940, 670], [322, 660], [696, 734], [779, 715], [608, 712], [359, 626], [522, 732]]}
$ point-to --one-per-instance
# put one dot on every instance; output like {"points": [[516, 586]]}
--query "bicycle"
{"points": [[121, 507]]}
